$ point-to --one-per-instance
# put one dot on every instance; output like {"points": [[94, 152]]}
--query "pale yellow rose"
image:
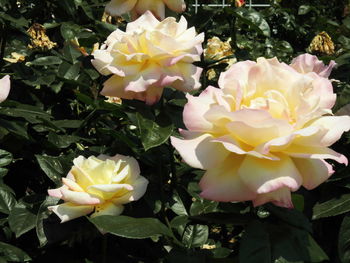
{"points": [[149, 56], [139, 7], [265, 132], [100, 186]]}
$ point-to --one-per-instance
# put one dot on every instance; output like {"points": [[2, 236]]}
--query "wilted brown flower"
{"points": [[39, 39], [115, 100], [322, 43], [217, 49], [112, 19], [15, 57]]}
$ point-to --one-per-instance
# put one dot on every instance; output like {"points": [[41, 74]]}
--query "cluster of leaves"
{"points": [[54, 114]]}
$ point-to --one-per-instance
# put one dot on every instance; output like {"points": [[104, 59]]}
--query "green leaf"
{"points": [[16, 127], [42, 214], [178, 206], [304, 9], [154, 132], [5, 158], [333, 207], [253, 19], [30, 113], [52, 166], [195, 235], [130, 227], [45, 61], [62, 141], [13, 253], [255, 245], [291, 216], [344, 240], [203, 206], [7, 200], [21, 219]]}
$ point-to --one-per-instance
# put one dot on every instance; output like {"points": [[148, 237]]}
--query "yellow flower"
{"points": [[100, 186], [322, 43]]}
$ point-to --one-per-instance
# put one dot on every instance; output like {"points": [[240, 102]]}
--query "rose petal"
{"points": [[280, 197], [119, 7], [264, 176], [313, 171], [223, 184], [5, 86], [69, 211], [198, 151]]}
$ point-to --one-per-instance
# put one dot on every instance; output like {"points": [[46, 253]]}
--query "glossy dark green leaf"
{"points": [[52, 166], [129, 227], [45, 61], [154, 132], [344, 240], [42, 214], [7, 200], [333, 207], [5, 158], [12, 253], [253, 19], [21, 219], [195, 235]]}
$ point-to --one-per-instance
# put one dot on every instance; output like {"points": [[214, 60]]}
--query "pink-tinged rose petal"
{"points": [[194, 110], [119, 7], [69, 211], [79, 198], [5, 86], [265, 176], [300, 151], [314, 172], [307, 63], [109, 209], [223, 184], [198, 151], [330, 129], [140, 187], [280, 197], [56, 192], [72, 185], [176, 5]]}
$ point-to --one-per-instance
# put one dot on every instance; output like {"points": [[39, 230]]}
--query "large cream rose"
{"points": [[100, 186], [138, 7], [149, 56], [265, 132]]}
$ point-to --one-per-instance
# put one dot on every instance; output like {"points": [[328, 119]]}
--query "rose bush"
{"points": [[265, 132], [138, 7], [100, 186], [5, 86], [148, 56]]}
